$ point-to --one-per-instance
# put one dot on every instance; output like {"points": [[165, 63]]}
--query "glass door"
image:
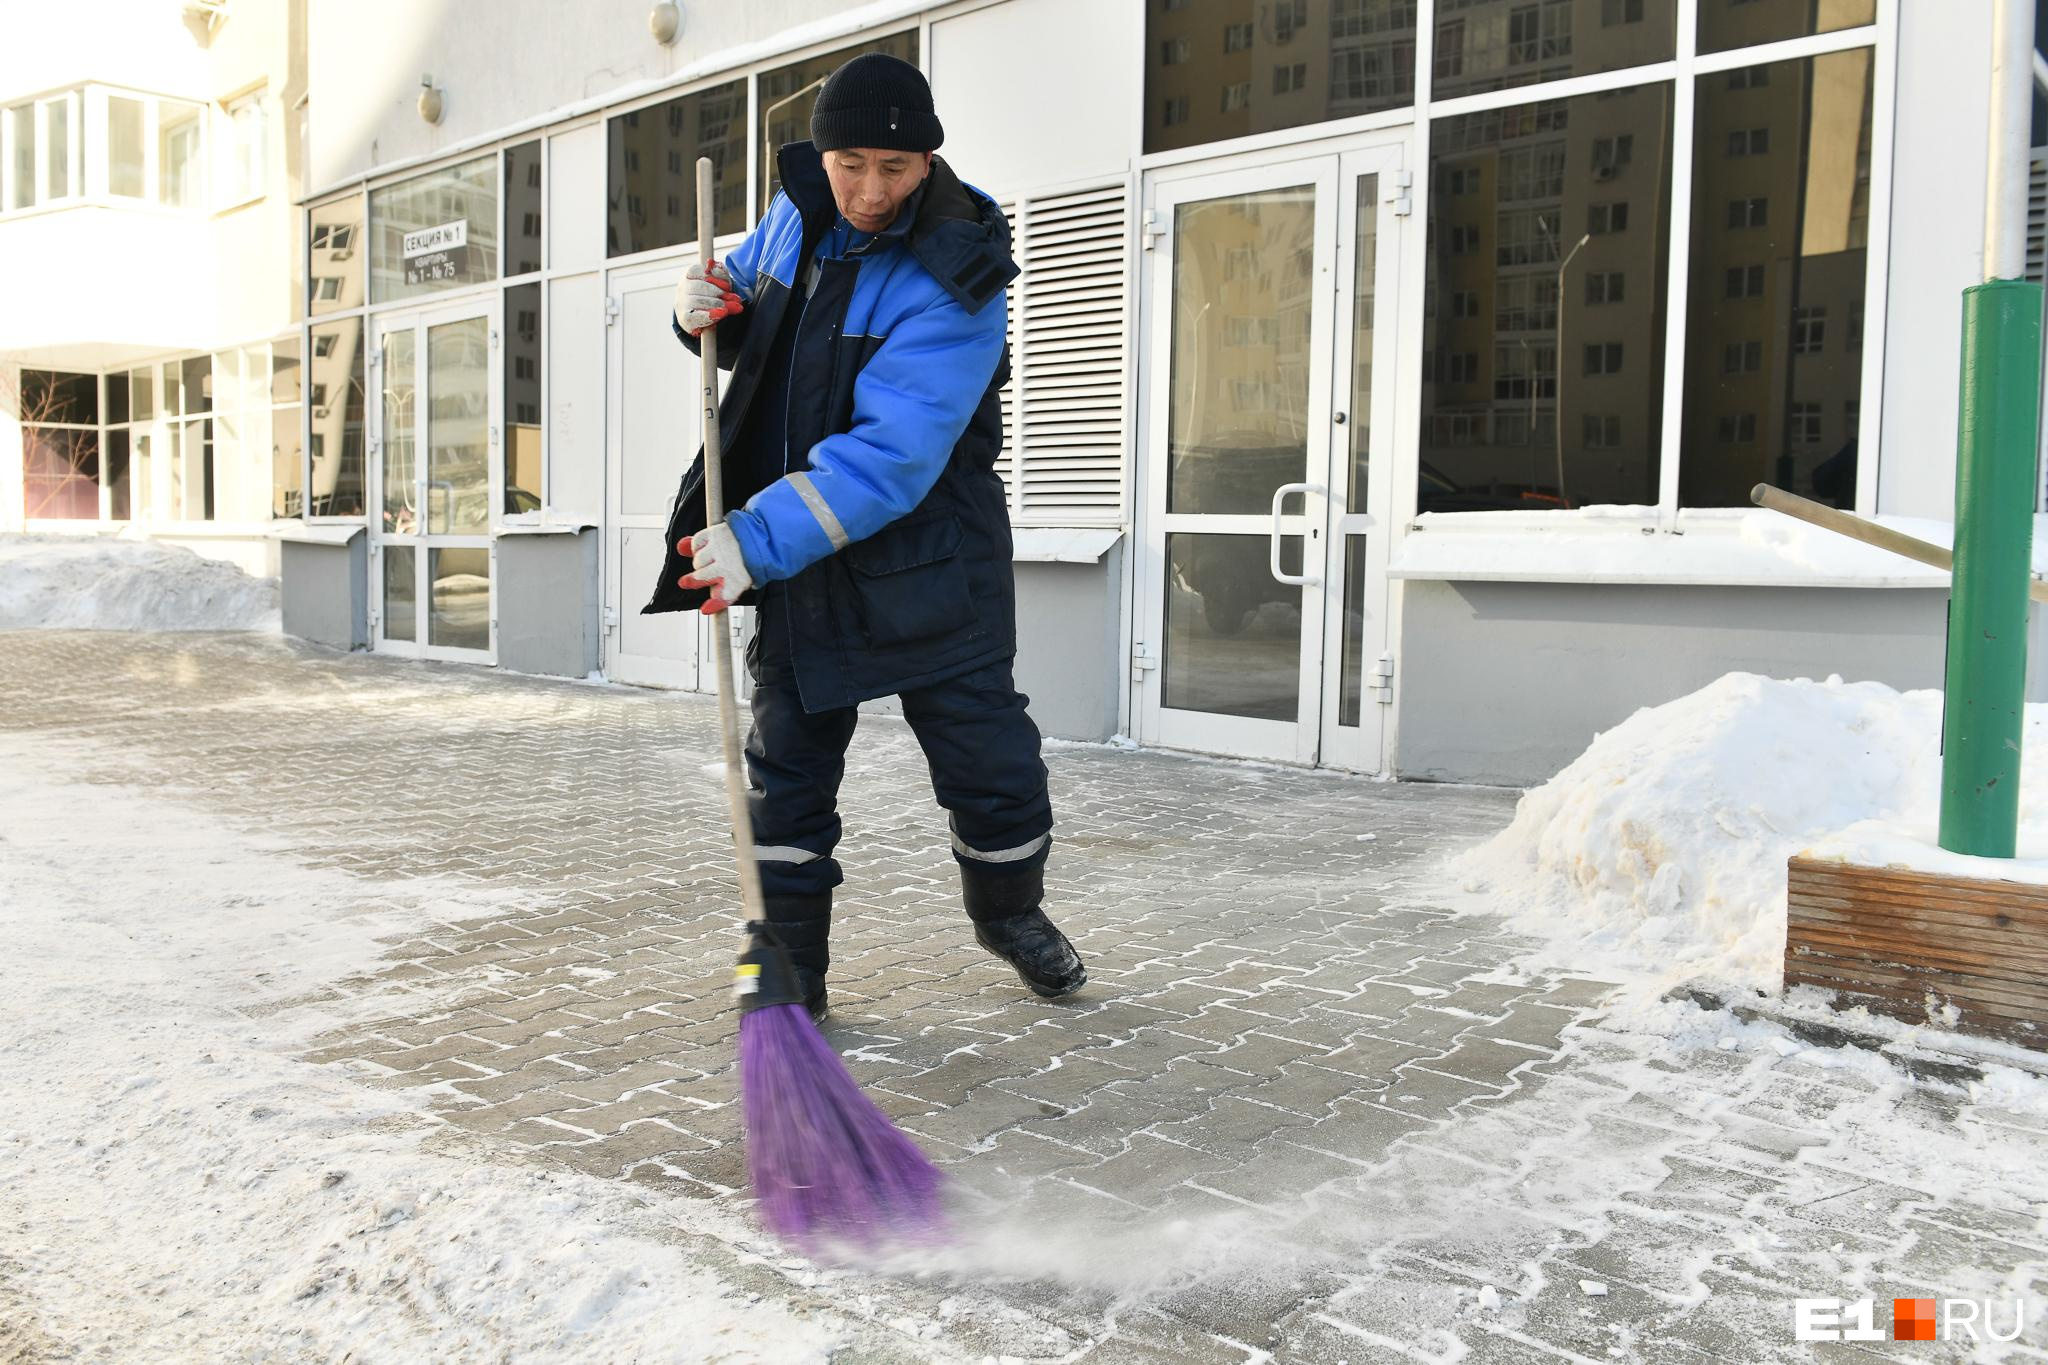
{"points": [[1263, 581], [436, 482]]}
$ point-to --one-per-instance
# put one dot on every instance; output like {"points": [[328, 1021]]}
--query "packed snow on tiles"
{"points": [[178, 1181], [122, 583], [1658, 856]]}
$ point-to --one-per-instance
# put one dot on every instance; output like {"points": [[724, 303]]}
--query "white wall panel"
{"points": [[576, 211], [575, 376], [1937, 248], [1038, 92]]}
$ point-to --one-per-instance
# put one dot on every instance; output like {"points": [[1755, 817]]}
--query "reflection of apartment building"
{"points": [[1382, 410]]}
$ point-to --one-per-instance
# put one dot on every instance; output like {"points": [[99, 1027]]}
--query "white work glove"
{"points": [[706, 295], [717, 565]]}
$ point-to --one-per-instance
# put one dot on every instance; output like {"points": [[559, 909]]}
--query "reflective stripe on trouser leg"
{"points": [[1015, 854]]}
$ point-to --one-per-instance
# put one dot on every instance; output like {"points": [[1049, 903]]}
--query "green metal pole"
{"points": [[1996, 490]]}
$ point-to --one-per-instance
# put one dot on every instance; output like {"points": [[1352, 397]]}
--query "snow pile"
{"points": [[99, 583], [1662, 848]]}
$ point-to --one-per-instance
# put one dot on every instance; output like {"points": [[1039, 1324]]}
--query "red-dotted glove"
{"points": [[704, 296], [716, 564]]}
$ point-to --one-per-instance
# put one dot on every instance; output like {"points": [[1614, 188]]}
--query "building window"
{"points": [[1486, 45], [709, 123], [1464, 303], [1617, 12], [1809, 329], [1237, 38], [180, 168], [1742, 357], [1749, 78], [435, 231], [1743, 24], [1749, 142], [1288, 79], [1237, 96], [1736, 429], [1461, 367], [1173, 52], [1613, 152], [1602, 219], [248, 150], [1803, 419], [1745, 282], [1175, 111], [784, 98], [1603, 357], [520, 454], [1748, 213], [1540, 280], [524, 209], [1813, 253]]}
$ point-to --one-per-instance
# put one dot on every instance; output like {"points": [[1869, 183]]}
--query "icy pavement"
{"points": [[356, 1005]]}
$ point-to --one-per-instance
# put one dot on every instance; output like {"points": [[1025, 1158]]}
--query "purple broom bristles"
{"points": [[826, 1165]]}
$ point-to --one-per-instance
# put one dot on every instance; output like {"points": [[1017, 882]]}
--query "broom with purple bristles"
{"points": [[827, 1166]]}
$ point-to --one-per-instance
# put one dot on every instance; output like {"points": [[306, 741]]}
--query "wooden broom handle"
{"points": [[1869, 532], [721, 623]]}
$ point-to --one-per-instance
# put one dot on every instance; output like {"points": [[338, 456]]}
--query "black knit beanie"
{"points": [[876, 100]]}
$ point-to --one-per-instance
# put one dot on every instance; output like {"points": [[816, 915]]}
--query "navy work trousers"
{"points": [[980, 743]]}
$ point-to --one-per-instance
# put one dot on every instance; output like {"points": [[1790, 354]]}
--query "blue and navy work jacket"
{"points": [[886, 535]]}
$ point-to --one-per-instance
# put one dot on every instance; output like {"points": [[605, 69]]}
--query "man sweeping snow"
{"points": [[863, 320]]}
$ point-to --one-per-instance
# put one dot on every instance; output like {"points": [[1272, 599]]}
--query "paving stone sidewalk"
{"points": [[1301, 1114]]}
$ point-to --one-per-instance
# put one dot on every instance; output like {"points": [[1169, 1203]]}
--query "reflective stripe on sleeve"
{"points": [[815, 500]]}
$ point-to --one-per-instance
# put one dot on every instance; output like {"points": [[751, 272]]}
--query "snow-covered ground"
{"points": [[1659, 854], [178, 1187], [122, 583]]}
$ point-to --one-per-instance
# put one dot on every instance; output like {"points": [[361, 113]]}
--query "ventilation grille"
{"points": [[1064, 409]]}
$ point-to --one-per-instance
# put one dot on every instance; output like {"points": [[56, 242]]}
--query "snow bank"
{"points": [[1661, 850], [99, 583]]}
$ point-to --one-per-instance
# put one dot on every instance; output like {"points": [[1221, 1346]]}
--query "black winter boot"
{"points": [[1003, 900], [804, 926]]}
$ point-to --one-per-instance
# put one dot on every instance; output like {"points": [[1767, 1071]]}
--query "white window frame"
{"points": [[235, 189]]}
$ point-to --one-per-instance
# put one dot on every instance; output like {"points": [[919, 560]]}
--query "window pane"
{"points": [[1498, 44], [198, 383], [192, 485], [57, 160], [401, 593], [336, 487], [1233, 631], [1527, 212], [60, 473], [651, 184], [117, 397], [284, 370], [251, 143], [460, 609], [458, 428], [1237, 422], [124, 147], [22, 178], [60, 396], [142, 393], [1789, 292], [117, 475], [1741, 23], [788, 93], [522, 208], [335, 259], [179, 167], [287, 473], [1228, 68], [521, 452], [435, 231], [398, 472]]}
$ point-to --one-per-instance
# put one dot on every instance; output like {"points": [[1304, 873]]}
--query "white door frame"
{"points": [[423, 541], [1319, 518]]}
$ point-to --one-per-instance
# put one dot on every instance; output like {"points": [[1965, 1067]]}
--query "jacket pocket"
{"points": [[909, 585]]}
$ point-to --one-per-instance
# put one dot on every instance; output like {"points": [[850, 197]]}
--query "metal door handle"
{"points": [[1273, 557]]}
